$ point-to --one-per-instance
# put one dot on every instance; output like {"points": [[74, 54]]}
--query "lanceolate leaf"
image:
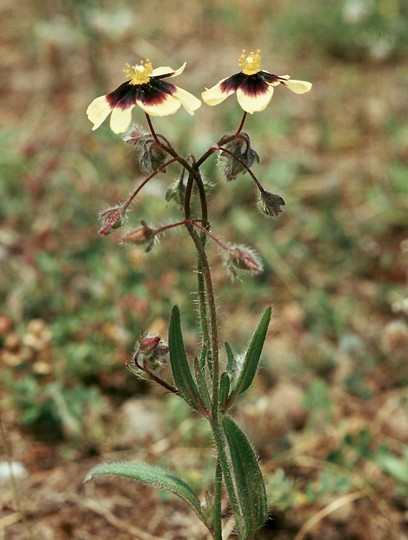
{"points": [[179, 365], [199, 370], [224, 388], [251, 360], [248, 478], [230, 358], [151, 476]]}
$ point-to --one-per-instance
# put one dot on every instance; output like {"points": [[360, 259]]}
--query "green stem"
{"points": [[202, 308], [210, 327], [217, 521], [220, 443], [211, 324]]}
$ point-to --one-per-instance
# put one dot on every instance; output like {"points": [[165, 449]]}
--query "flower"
{"points": [[145, 88], [254, 87]]}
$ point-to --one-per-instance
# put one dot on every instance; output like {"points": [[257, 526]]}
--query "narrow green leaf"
{"points": [[224, 388], [252, 356], [396, 467], [230, 358], [248, 477], [152, 476], [203, 358], [199, 370], [179, 364]]}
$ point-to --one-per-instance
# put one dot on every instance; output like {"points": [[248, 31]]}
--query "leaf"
{"points": [[230, 358], [179, 364], [151, 476], [398, 468], [199, 370], [224, 388], [251, 360], [248, 477]]}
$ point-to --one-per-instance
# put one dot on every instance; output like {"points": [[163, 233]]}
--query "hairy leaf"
{"points": [[252, 357], [179, 364], [152, 476], [248, 477], [224, 388], [230, 358], [199, 370]]}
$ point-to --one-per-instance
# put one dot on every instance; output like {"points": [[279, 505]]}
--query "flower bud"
{"points": [[113, 218], [151, 156], [243, 156], [177, 191], [142, 236], [150, 348], [147, 343], [240, 257], [133, 135], [269, 203]]}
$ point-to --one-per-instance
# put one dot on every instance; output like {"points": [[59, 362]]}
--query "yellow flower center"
{"points": [[139, 73], [250, 63]]}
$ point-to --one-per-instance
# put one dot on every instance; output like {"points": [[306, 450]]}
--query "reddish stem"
{"points": [[146, 180]]}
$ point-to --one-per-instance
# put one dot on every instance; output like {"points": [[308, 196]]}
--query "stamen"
{"points": [[139, 73], [250, 63]]}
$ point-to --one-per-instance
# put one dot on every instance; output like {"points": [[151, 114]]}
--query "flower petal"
{"points": [[254, 102], [189, 102], [216, 94], [274, 80], [298, 87], [167, 71], [166, 106], [121, 119], [98, 111]]}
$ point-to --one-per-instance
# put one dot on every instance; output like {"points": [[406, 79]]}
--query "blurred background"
{"points": [[329, 411]]}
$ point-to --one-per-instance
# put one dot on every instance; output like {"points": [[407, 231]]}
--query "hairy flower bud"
{"points": [[177, 191], [142, 236], [240, 257], [269, 203], [148, 343], [151, 156], [239, 156], [133, 135], [113, 218], [152, 350]]}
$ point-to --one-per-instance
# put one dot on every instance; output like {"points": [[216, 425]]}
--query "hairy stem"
{"points": [[224, 140], [217, 522], [146, 180], [209, 323]]}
